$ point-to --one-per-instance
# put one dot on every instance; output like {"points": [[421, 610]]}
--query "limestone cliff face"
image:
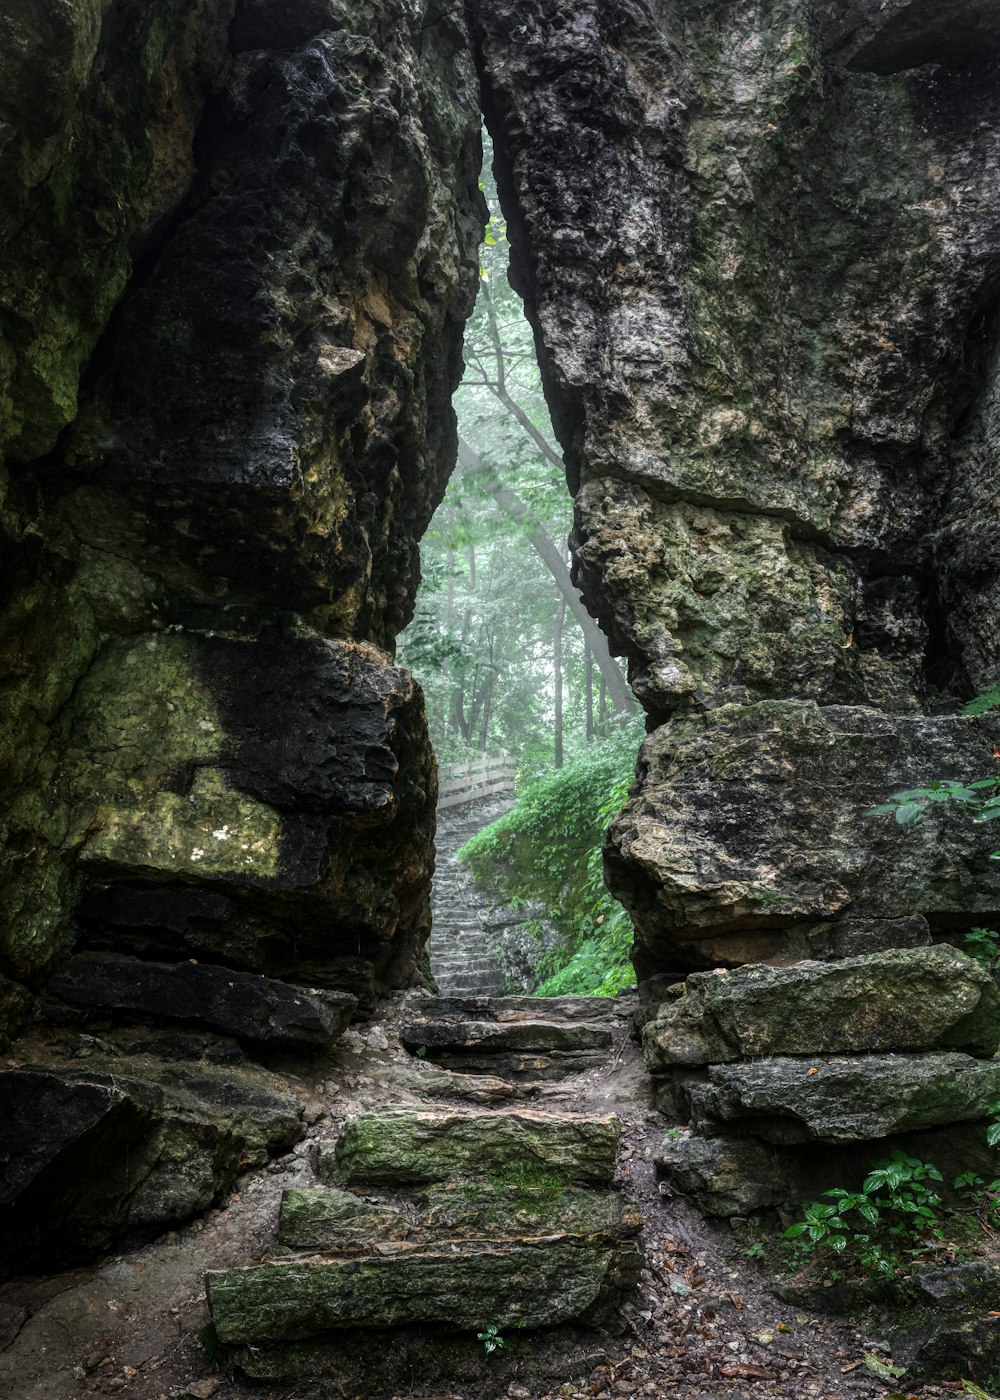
{"points": [[239, 248], [760, 248]]}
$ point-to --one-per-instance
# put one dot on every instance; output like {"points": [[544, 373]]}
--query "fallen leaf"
{"points": [[884, 1370], [746, 1373]]}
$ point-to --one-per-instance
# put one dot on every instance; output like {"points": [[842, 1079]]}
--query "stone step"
{"points": [[438, 1083], [518, 1067], [478, 1037], [525, 1283], [493, 1217], [515, 1008], [483, 987], [473, 976], [519, 1204], [407, 1146], [466, 967]]}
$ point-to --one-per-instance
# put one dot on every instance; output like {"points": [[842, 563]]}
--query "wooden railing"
{"points": [[482, 777]]}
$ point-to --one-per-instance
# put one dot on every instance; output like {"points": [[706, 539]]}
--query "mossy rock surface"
{"points": [[839, 1099], [323, 1217], [525, 1203], [903, 999], [486, 1036], [407, 1146], [538, 1284]]}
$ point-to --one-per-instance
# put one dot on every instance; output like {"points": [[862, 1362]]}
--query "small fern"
{"points": [[989, 700]]}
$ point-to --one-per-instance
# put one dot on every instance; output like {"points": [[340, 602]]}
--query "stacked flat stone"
{"points": [[763, 1061], [444, 1219]]}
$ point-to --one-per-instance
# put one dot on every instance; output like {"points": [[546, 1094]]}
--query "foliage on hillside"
{"points": [[547, 850]]}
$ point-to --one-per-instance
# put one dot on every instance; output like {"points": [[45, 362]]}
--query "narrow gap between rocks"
{"points": [[530, 715]]}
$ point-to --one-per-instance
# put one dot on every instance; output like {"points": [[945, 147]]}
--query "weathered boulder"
{"points": [[905, 999], [750, 322], [752, 827], [240, 1004], [201, 722], [99, 108], [737, 1175], [405, 1145], [90, 1153], [723, 1176], [842, 1099], [948, 1316], [273, 806]]}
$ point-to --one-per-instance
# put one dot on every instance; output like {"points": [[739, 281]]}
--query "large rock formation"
{"points": [[757, 249], [239, 247], [760, 250], [759, 245]]}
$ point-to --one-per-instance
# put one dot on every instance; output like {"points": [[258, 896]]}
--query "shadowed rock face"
{"points": [[206, 572], [760, 252], [227, 351], [900, 34]]}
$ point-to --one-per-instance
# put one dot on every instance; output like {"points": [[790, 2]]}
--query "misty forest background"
{"points": [[510, 660]]}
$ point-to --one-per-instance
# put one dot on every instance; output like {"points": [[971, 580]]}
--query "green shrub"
{"points": [[983, 944]]}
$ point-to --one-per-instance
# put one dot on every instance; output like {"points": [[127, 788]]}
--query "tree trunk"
{"points": [[550, 554], [588, 689], [557, 665]]}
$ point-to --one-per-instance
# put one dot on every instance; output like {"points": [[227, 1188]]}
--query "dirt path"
{"points": [[703, 1325]]}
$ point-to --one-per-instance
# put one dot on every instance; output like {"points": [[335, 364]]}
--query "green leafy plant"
{"points": [[977, 1392], [983, 1196], [755, 1250], [884, 1370], [983, 944], [897, 1206], [993, 1130], [491, 1339], [910, 806]]}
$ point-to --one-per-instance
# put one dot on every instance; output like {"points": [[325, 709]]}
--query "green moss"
{"points": [[529, 1179]]}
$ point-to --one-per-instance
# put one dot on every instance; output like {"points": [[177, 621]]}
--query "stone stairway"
{"points": [[427, 1227], [464, 960]]}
